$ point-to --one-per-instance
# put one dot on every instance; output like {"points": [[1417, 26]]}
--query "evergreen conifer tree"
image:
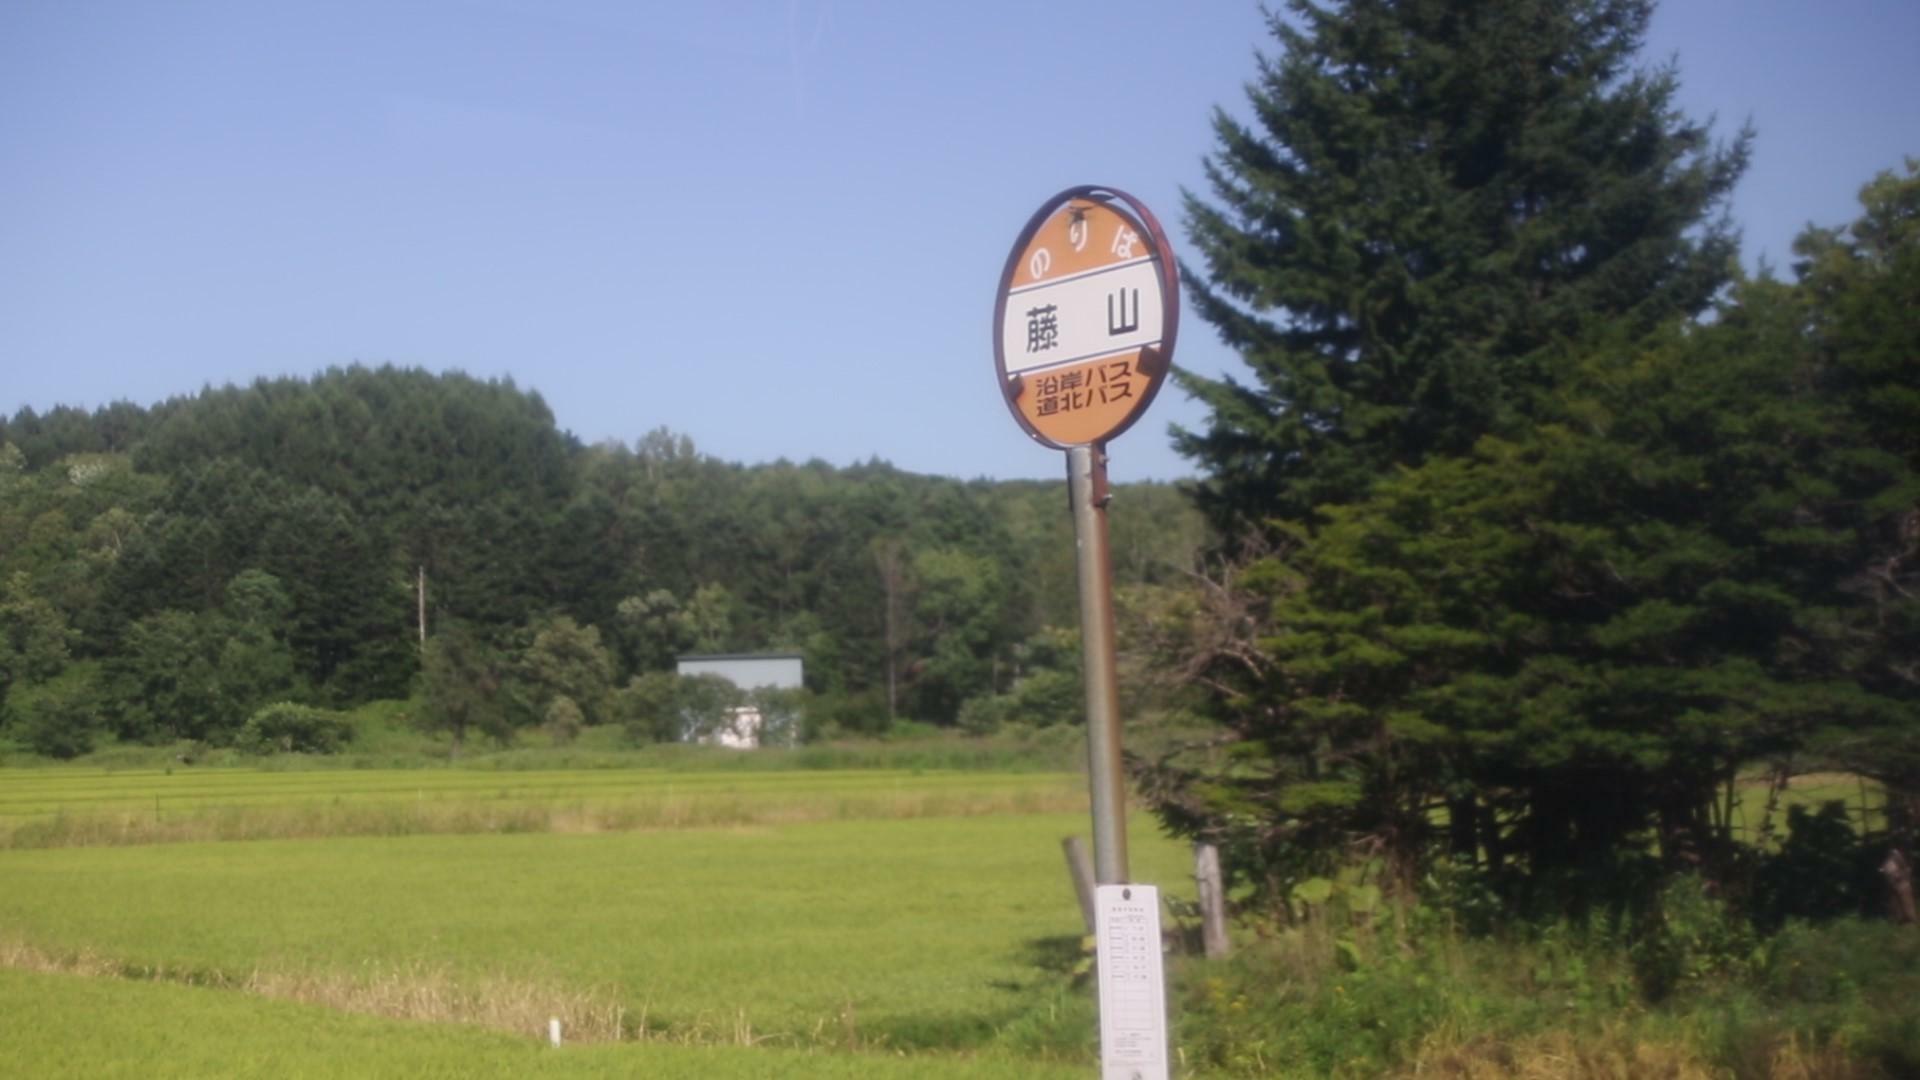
{"points": [[1433, 196], [1442, 217]]}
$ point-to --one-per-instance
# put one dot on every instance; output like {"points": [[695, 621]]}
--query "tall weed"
{"points": [[1691, 992]]}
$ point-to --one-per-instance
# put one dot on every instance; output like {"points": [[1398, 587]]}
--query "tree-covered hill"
{"points": [[167, 570]]}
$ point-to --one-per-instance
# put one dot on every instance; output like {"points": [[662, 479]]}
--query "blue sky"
{"points": [[773, 226]]}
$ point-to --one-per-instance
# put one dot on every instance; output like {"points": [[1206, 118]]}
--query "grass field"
{"points": [[859, 913], [732, 916], [62, 1025], [59, 807], [912, 932], [1863, 799]]}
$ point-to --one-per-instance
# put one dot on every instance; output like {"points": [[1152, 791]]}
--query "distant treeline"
{"points": [[169, 570]]}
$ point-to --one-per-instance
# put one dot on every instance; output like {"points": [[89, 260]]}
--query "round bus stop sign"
{"points": [[1084, 327]]}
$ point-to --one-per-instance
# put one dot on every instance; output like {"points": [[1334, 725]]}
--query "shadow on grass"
{"points": [[1049, 1016]]}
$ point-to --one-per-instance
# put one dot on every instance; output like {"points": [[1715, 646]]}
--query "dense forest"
{"points": [[324, 542]]}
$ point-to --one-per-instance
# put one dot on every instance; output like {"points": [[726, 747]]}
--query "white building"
{"points": [[748, 671]]}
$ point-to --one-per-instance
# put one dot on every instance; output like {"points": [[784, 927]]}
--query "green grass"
{"points": [[62, 1025], [1864, 800], [90, 806], [720, 917], [922, 932], [711, 915], [1406, 995], [26, 793], [386, 735]]}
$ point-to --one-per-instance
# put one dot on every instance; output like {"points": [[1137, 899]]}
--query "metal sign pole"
{"points": [[1084, 328], [1087, 489]]}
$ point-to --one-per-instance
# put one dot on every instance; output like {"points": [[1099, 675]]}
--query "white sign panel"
{"points": [[1113, 309], [1133, 991]]}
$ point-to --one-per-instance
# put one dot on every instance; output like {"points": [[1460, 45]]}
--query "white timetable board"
{"points": [[1133, 990]]}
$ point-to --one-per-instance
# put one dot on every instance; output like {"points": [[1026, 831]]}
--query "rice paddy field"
{"points": [[430, 922], [42, 807]]}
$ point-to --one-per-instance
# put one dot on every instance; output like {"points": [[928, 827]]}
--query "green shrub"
{"points": [[706, 706], [783, 713], [1851, 984], [646, 710], [1045, 698], [985, 714], [563, 720], [1340, 996], [1459, 893], [288, 728], [57, 727], [1355, 986], [1691, 936], [912, 730], [1823, 870], [838, 715], [57, 719], [1843, 962]]}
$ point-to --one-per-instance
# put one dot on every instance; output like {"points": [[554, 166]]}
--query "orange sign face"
{"points": [[1089, 302]]}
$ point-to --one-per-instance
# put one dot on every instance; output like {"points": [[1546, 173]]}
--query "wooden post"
{"points": [[1080, 869], [1899, 874], [1213, 901]]}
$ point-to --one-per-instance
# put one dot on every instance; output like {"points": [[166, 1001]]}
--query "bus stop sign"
{"points": [[1084, 325]]}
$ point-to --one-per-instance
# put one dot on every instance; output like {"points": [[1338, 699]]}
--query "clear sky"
{"points": [[773, 226]]}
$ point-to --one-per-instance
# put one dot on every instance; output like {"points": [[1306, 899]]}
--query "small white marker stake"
{"points": [[553, 1031]]}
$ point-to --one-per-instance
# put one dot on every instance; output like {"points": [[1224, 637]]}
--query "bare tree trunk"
{"points": [[889, 559], [1492, 839], [1777, 780], [1463, 832]]}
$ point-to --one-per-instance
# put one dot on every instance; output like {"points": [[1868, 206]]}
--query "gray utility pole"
{"points": [[1087, 489]]}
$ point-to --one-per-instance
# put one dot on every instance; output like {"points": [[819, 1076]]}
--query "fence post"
{"points": [[1213, 901], [1080, 869]]}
